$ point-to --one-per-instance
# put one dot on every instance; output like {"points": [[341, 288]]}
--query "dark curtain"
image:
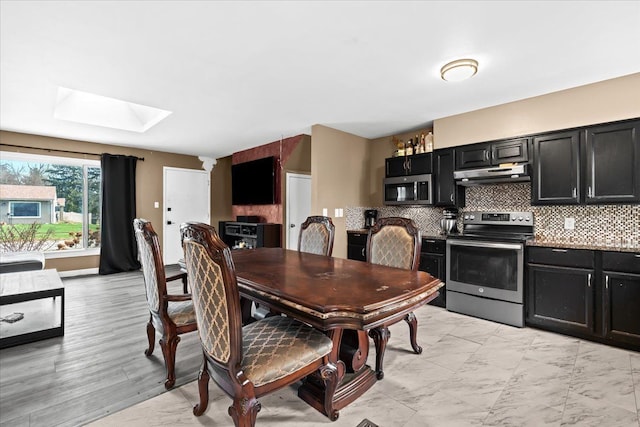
{"points": [[119, 251]]}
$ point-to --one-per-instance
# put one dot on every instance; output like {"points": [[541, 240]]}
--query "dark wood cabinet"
{"points": [[589, 294], [621, 297], [432, 260], [489, 154], [556, 169], [357, 245], [446, 192], [416, 164], [612, 155], [560, 298]]}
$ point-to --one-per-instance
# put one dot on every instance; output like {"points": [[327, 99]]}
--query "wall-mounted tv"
{"points": [[253, 183]]}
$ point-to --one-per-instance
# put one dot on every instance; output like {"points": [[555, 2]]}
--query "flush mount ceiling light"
{"points": [[459, 69], [89, 108]]}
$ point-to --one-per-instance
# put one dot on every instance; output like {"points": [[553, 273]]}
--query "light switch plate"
{"points": [[569, 223], [156, 205], [325, 212]]}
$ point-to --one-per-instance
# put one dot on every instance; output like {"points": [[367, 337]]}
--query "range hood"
{"points": [[495, 175]]}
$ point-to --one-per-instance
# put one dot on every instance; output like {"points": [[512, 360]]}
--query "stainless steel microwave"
{"points": [[408, 190]]}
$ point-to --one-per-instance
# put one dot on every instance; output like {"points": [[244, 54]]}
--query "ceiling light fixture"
{"points": [[459, 69]]}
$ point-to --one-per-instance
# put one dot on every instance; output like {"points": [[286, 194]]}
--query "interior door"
{"points": [[186, 198], [298, 206]]}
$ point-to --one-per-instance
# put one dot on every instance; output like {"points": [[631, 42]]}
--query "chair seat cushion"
{"points": [[181, 312], [277, 346]]}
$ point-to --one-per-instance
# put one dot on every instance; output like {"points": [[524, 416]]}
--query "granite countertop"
{"points": [[424, 235], [596, 246]]}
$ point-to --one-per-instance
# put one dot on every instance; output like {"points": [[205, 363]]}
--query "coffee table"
{"points": [[39, 296]]}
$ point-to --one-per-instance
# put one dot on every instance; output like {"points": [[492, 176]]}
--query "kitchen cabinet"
{"points": [[489, 154], [556, 174], [357, 245], [593, 165], [432, 260], [416, 164], [612, 155], [560, 293], [621, 297], [589, 294], [446, 192]]}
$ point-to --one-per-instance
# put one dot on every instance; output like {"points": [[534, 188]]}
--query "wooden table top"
{"points": [[29, 282], [328, 289]]}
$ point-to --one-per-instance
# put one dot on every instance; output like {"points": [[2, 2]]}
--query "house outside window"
{"points": [[24, 209], [48, 203]]}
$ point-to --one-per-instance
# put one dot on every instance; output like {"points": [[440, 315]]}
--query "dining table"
{"points": [[344, 298]]}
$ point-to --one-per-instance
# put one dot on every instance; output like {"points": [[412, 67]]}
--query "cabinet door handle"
{"points": [[589, 192], [429, 241], [606, 281], [451, 198], [409, 164], [589, 280], [486, 155], [574, 193], [637, 256], [559, 250], [363, 251]]}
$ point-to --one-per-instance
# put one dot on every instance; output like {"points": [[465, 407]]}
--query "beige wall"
{"points": [[149, 176], [221, 192], [601, 102], [340, 177]]}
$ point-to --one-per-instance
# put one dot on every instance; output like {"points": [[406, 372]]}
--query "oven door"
{"points": [[486, 268]]}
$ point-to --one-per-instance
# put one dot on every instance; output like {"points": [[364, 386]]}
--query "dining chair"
{"points": [[394, 242], [245, 361], [316, 235], [169, 314]]}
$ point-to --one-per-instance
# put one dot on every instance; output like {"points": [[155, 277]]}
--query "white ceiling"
{"points": [[241, 74]]}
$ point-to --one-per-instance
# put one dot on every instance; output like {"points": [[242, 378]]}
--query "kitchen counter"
{"points": [[596, 246], [423, 234]]}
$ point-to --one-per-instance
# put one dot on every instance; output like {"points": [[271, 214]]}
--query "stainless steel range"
{"points": [[485, 266]]}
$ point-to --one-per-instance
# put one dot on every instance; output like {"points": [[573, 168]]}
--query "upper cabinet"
{"points": [[417, 164], [446, 192], [492, 154], [556, 169], [612, 154], [596, 165]]}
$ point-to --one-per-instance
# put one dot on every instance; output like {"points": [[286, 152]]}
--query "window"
{"points": [[24, 209], [49, 203]]}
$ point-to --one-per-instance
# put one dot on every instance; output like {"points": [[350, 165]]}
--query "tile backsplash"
{"points": [[601, 225]]}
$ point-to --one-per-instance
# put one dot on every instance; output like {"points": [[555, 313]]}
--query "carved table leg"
{"points": [[380, 337], [329, 375], [413, 331]]}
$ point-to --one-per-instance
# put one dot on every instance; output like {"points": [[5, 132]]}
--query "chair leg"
{"points": [[203, 389], [380, 337], [185, 287], [244, 411], [413, 331], [151, 336], [169, 343]]}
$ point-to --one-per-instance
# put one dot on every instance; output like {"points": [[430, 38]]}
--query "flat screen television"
{"points": [[253, 183]]}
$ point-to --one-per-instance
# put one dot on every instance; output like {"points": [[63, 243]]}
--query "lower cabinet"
{"points": [[357, 245], [432, 260], [589, 294]]}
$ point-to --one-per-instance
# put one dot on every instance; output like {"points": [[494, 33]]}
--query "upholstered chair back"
{"points": [[150, 254], [394, 242], [316, 236], [214, 291]]}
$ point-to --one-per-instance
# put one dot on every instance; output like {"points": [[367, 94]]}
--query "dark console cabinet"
{"points": [[255, 235]]}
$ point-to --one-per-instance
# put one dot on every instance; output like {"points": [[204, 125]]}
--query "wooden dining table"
{"points": [[344, 298]]}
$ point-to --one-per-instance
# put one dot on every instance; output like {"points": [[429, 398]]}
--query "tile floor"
{"points": [[471, 372]]}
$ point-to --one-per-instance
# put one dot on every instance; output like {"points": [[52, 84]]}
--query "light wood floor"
{"points": [[99, 366]]}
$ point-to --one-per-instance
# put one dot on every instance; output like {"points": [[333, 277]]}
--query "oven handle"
{"points": [[482, 244]]}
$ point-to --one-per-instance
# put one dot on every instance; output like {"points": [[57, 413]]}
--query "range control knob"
{"points": [[526, 218], [466, 217], [472, 217], [520, 218]]}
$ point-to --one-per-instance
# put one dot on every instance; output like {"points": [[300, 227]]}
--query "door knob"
{"points": [[292, 225], [169, 222]]}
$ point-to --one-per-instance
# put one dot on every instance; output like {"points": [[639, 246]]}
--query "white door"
{"points": [[186, 198], [298, 205]]}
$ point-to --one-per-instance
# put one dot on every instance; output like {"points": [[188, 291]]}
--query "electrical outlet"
{"points": [[569, 223], [156, 205]]}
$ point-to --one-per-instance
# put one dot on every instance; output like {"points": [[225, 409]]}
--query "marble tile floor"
{"points": [[472, 372]]}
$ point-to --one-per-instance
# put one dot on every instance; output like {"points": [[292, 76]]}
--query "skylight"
{"points": [[88, 108]]}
